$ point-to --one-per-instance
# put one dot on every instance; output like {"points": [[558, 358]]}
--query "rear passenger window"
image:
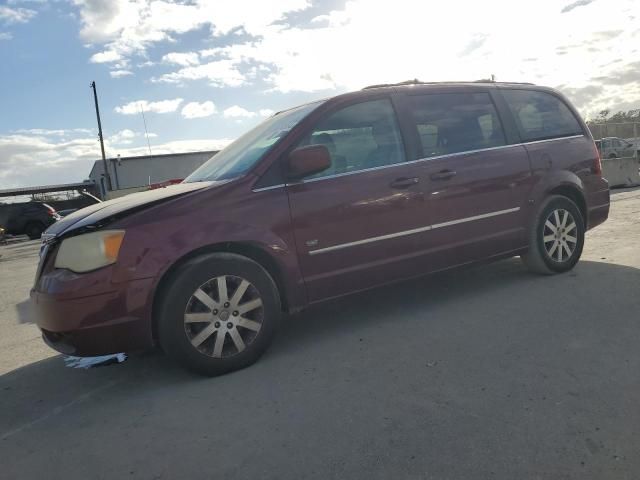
{"points": [[455, 122], [540, 115]]}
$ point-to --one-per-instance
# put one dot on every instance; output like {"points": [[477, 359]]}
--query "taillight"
{"points": [[597, 163], [51, 211]]}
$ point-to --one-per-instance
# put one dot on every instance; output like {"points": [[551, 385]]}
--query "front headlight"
{"points": [[89, 251]]}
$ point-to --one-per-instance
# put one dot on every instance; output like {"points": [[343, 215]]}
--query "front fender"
{"points": [[152, 258], [220, 219]]}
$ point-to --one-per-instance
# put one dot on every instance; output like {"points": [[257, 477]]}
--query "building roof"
{"points": [[63, 187], [181, 154], [98, 163]]}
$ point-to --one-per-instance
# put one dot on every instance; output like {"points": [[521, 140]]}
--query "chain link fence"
{"points": [[628, 131]]}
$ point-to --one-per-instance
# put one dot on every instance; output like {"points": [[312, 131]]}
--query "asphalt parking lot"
{"points": [[488, 372]]}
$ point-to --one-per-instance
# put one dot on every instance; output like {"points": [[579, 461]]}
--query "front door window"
{"points": [[359, 137]]}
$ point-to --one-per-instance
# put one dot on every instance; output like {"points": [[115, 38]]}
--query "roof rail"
{"points": [[415, 81]]}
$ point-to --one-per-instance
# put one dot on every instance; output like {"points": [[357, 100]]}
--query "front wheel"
{"points": [[556, 238], [219, 313]]}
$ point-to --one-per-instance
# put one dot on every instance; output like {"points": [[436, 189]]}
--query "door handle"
{"points": [[404, 182], [443, 175]]}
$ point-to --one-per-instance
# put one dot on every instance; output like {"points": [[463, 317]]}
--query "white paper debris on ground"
{"points": [[91, 362]]}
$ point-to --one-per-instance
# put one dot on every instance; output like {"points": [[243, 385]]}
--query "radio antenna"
{"points": [[145, 127]]}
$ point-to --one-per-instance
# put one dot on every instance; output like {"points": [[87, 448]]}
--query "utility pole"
{"points": [[104, 158]]}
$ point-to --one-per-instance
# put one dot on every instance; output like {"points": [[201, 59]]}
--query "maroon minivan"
{"points": [[317, 202]]}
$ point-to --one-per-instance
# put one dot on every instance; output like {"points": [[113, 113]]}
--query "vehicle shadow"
{"points": [[475, 322], [491, 286]]}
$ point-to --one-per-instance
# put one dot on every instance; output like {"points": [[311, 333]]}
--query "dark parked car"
{"points": [[27, 218], [317, 202]]}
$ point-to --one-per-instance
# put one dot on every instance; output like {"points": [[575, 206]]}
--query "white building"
{"points": [[130, 174]]}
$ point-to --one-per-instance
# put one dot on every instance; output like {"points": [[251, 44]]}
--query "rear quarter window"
{"points": [[540, 115]]}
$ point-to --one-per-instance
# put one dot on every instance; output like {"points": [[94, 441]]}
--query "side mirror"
{"points": [[305, 161]]}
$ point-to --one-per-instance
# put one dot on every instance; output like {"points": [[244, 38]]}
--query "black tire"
{"points": [[34, 230], [613, 155], [538, 259], [199, 273]]}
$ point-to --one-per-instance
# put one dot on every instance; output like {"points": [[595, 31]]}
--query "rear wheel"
{"points": [[218, 314], [557, 237], [34, 230]]}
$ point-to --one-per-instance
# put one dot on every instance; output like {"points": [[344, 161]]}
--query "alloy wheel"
{"points": [[560, 235], [223, 316]]}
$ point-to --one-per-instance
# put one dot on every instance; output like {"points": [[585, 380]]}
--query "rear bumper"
{"points": [[96, 324], [598, 208]]}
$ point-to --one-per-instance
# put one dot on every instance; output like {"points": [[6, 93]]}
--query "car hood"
{"points": [[100, 211]]}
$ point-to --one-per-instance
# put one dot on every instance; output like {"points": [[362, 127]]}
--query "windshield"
{"points": [[243, 153]]}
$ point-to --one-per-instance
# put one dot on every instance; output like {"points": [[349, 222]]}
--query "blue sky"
{"points": [[206, 71]]}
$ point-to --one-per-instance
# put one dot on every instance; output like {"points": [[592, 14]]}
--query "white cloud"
{"points": [[266, 112], [321, 19], [103, 21], [579, 3], [220, 73], [55, 132], [198, 110], [238, 112], [16, 15], [356, 46], [120, 73], [123, 137], [129, 27], [162, 106], [32, 160], [176, 146], [107, 56], [28, 160], [5, 36], [184, 59]]}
